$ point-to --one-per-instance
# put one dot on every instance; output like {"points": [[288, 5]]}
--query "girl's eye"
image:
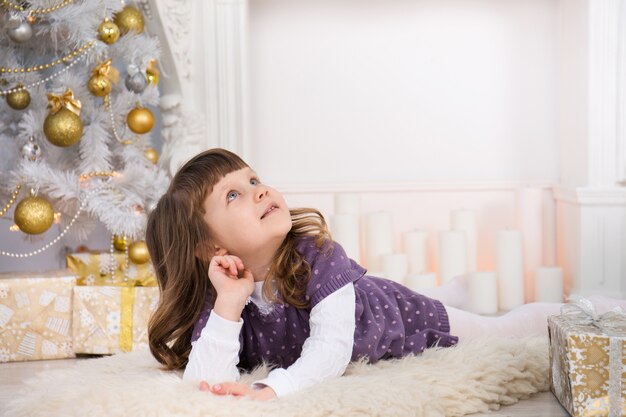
{"points": [[254, 181], [231, 195]]}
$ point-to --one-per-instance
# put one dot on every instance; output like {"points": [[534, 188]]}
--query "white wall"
{"points": [[403, 90]]}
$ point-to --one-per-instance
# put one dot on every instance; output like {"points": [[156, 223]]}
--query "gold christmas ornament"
{"points": [[152, 155], [19, 100], [127, 19], [140, 120], [99, 85], [152, 72], [138, 252], [120, 242], [108, 32], [63, 126], [33, 215], [102, 77]]}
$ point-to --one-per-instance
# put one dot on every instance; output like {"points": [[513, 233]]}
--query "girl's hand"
{"points": [[239, 389], [230, 278], [233, 284]]}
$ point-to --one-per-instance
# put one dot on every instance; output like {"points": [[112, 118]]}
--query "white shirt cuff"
{"points": [[279, 380], [219, 328]]}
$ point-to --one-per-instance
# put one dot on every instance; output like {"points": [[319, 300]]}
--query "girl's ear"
{"points": [[205, 251]]}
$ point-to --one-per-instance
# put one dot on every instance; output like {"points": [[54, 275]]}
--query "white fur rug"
{"points": [[476, 375]]}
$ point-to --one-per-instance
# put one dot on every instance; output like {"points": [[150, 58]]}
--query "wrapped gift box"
{"points": [[35, 315], [588, 361], [112, 319], [111, 311]]}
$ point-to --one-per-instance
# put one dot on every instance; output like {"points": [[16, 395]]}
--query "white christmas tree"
{"points": [[75, 140]]}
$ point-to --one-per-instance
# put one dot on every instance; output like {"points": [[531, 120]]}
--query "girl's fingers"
{"points": [[226, 263], [204, 386], [231, 388], [238, 262]]}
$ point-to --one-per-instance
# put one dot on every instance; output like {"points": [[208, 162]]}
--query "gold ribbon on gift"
{"points": [[57, 101], [613, 323], [126, 319], [107, 70], [93, 268]]}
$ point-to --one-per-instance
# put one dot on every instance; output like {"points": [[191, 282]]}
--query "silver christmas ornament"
{"points": [[135, 80], [31, 150], [21, 32]]}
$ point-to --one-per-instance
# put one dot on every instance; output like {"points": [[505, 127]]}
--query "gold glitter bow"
{"points": [[57, 101], [152, 72], [107, 70]]}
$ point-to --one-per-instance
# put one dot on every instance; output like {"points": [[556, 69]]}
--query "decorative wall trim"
{"points": [[590, 196], [383, 187]]}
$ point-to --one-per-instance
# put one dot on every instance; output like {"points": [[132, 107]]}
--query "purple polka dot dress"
{"points": [[391, 320]]}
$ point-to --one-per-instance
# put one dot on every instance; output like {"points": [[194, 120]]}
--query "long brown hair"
{"points": [[175, 230]]}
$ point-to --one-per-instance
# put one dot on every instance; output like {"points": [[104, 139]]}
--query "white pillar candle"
{"points": [[452, 254], [378, 238], [418, 282], [549, 284], [548, 222], [347, 203], [529, 219], [345, 229], [509, 269], [395, 267], [483, 292], [465, 220], [415, 244]]}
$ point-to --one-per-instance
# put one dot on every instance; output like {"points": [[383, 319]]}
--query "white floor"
{"points": [[14, 373]]}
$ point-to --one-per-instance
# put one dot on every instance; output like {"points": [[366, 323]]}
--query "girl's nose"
{"points": [[261, 194]]}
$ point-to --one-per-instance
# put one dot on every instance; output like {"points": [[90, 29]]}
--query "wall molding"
{"points": [[392, 187], [588, 196]]}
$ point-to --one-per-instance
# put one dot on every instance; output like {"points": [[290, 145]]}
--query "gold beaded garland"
{"points": [[140, 120], [127, 19], [66, 58], [20, 99], [151, 155], [34, 215], [97, 174], [33, 12], [138, 252], [108, 32], [63, 128], [8, 205]]}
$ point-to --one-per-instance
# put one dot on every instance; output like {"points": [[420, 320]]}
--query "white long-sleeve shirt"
{"points": [[325, 354]]}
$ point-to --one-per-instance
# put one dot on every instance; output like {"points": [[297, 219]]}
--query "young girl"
{"points": [[246, 280]]}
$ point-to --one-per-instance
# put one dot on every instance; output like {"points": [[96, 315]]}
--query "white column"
{"points": [[227, 54], [591, 201], [204, 76], [604, 82]]}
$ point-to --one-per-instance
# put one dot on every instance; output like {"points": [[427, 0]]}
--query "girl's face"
{"points": [[245, 215]]}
